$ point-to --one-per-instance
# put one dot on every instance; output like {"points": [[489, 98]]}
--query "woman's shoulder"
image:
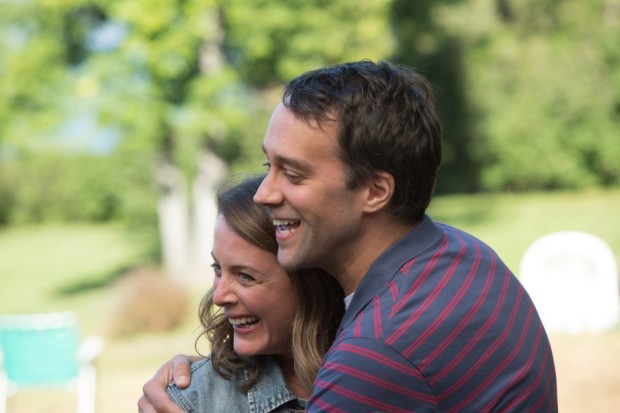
{"points": [[204, 373], [201, 365], [209, 391]]}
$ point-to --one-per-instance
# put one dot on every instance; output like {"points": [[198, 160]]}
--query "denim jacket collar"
{"points": [[208, 391], [270, 391]]}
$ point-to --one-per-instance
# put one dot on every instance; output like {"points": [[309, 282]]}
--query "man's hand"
{"points": [[154, 398]]}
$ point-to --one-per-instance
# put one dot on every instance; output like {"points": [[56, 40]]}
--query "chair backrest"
{"points": [[573, 279], [40, 349]]}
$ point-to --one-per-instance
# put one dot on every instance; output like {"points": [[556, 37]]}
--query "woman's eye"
{"points": [[216, 268], [293, 177], [245, 277]]}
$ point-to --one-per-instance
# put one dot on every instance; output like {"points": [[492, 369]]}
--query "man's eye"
{"points": [[267, 165]]}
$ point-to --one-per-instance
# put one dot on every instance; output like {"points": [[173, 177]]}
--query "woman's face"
{"points": [[256, 294]]}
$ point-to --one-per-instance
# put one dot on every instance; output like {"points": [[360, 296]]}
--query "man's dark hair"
{"points": [[386, 122]]}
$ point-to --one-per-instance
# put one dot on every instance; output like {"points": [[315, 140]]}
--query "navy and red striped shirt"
{"points": [[438, 324]]}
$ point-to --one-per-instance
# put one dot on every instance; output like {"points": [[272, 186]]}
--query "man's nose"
{"points": [[268, 193]]}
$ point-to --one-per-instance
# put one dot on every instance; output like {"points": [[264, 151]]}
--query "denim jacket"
{"points": [[209, 392]]}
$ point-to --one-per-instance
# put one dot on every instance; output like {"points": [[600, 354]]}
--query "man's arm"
{"points": [[155, 398]]}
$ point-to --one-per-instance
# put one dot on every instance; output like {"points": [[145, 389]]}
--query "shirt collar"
{"points": [[347, 300], [421, 238]]}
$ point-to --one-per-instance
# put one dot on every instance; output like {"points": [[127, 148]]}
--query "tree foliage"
{"points": [[532, 87], [164, 80], [106, 90]]}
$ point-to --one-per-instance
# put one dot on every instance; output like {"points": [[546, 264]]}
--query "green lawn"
{"points": [[70, 267], [510, 223], [73, 267]]}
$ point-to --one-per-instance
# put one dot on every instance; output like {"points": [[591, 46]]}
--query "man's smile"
{"points": [[285, 226]]}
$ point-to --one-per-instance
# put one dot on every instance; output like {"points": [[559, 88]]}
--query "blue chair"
{"points": [[44, 350]]}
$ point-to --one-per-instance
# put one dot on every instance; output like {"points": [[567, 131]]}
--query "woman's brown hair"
{"points": [[320, 298]]}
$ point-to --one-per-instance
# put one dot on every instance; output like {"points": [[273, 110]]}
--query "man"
{"points": [[435, 322]]}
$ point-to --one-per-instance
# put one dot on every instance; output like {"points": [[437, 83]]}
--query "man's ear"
{"points": [[380, 189]]}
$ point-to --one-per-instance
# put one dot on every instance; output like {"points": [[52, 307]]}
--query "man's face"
{"points": [[317, 218]]}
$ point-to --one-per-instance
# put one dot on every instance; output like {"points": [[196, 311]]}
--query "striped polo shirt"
{"points": [[438, 324]]}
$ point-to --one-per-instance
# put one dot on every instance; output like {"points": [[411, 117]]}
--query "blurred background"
{"points": [[118, 119]]}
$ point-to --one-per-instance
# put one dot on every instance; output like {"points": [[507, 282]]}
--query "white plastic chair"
{"points": [[44, 350], [572, 278]]}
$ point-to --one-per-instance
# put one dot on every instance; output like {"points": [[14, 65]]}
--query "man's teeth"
{"points": [[285, 225], [243, 320], [278, 222]]}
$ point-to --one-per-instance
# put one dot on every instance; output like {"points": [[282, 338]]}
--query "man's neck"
{"points": [[377, 236]]}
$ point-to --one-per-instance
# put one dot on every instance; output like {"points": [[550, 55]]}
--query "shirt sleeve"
{"points": [[366, 375]]}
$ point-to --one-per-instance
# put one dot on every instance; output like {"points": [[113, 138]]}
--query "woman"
{"points": [[268, 329]]}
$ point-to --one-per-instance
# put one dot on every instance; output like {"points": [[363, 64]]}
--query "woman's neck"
{"points": [[287, 366]]}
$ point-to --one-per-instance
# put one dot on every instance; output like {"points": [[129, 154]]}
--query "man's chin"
{"points": [[288, 260]]}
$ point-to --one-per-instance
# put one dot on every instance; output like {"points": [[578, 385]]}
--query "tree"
{"points": [[530, 89], [173, 82], [439, 53]]}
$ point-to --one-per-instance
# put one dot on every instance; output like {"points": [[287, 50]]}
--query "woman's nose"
{"points": [[222, 291]]}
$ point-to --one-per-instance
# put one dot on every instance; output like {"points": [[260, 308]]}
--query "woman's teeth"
{"points": [[243, 321]]}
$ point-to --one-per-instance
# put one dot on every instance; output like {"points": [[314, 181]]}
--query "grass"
{"points": [[510, 223], [71, 267], [74, 267]]}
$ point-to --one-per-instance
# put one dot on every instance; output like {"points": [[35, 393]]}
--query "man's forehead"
{"points": [[320, 121], [292, 140]]}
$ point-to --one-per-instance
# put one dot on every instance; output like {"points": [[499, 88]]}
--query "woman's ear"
{"points": [[380, 189]]}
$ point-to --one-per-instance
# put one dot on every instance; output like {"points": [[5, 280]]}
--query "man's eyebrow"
{"points": [[292, 162], [287, 161]]}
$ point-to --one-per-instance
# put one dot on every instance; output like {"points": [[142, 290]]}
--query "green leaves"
{"points": [[528, 90]]}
